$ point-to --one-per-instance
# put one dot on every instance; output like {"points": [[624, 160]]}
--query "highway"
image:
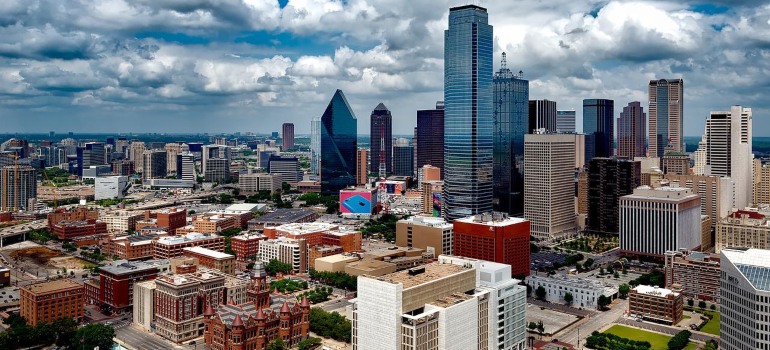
{"points": [[21, 229]]}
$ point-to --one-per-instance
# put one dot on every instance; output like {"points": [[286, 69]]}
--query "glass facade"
{"points": [[403, 160], [565, 121], [381, 150], [511, 110], [468, 116], [430, 137], [315, 146], [338, 145], [598, 120]]}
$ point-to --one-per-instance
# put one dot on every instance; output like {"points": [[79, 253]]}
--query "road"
{"points": [[697, 336], [592, 323], [562, 308], [16, 230], [144, 340]]}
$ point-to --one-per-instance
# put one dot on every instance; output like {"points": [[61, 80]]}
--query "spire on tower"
{"points": [[503, 63]]}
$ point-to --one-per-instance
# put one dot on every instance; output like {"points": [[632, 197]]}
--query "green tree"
{"points": [[93, 335], [603, 301], [276, 266], [680, 340], [616, 275], [690, 302], [623, 290], [277, 344], [540, 293], [713, 307], [330, 325], [568, 298], [588, 263], [532, 326], [702, 304], [309, 344], [540, 327]]}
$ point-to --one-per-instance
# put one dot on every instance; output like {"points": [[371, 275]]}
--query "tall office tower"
{"points": [[403, 158], [172, 151], [598, 125], [430, 137], [121, 145], [511, 113], [154, 164], [468, 115], [381, 143], [136, 152], [339, 140], [701, 156], [215, 163], [315, 146], [728, 151], [744, 299], [549, 188], [716, 193], [185, 167], [565, 121], [287, 136], [631, 132], [362, 163], [286, 167], [666, 110], [18, 184], [762, 189], [608, 180], [452, 304], [676, 163], [92, 153], [542, 115]]}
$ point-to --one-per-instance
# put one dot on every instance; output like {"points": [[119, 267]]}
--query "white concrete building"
{"points": [[700, 155], [454, 303], [111, 187], [286, 250], [144, 304], [585, 293], [253, 183], [728, 151], [745, 299], [121, 221]]}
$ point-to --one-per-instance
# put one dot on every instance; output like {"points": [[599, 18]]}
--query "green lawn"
{"points": [[658, 341], [712, 327]]}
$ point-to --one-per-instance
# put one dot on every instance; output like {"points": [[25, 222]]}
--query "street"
{"points": [[592, 323], [140, 339]]}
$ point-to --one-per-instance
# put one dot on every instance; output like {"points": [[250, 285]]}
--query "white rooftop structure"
{"points": [[208, 252], [192, 236], [429, 221], [753, 264], [301, 228], [654, 290], [246, 207], [492, 219]]}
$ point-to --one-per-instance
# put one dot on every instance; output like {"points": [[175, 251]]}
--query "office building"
{"points": [[666, 110], [565, 121], [185, 167], [745, 299], [144, 304], [169, 219], [728, 151], [282, 216], [632, 129], [136, 152], [121, 221], [111, 187], [335, 263], [494, 237], [381, 142], [172, 247], [434, 235], [286, 250], [549, 188], [315, 146], [180, 301], [252, 184], [76, 214], [47, 301], [468, 114], [285, 167], [656, 304], [339, 141], [215, 163], [599, 127], [676, 163], [743, 228], [214, 223], [431, 198], [92, 153], [117, 280], [287, 136], [716, 193], [585, 292], [762, 187], [362, 164], [245, 247], [511, 123], [542, 116], [133, 247], [403, 158], [696, 274], [654, 221], [173, 150], [430, 137], [608, 180], [264, 158], [154, 164], [454, 303], [18, 185], [72, 229], [212, 259], [123, 167]]}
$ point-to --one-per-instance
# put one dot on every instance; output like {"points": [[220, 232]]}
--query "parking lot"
{"points": [[544, 260]]}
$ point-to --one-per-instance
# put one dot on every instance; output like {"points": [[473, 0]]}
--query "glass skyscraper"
{"points": [[430, 137], [468, 120], [339, 142], [666, 108], [381, 144], [315, 146], [511, 111], [599, 127], [565, 121]]}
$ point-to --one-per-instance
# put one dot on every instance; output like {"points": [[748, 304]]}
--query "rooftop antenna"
{"points": [[503, 63]]}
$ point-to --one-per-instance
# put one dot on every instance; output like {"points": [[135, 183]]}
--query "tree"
{"points": [[690, 302], [587, 264], [330, 325], [568, 298], [616, 275], [601, 271], [702, 304], [625, 271], [713, 307], [623, 290], [309, 344], [93, 335], [603, 301], [540, 327], [540, 293], [532, 326], [277, 344], [680, 340], [276, 266]]}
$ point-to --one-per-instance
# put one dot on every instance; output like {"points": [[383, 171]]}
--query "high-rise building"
{"points": [[135, 153], [430, 137], [315, 146], [676, 163], [744, 299], [185, 167], [565, 121], [362, 166], [172, 151], [403, 158], [215, 163], [666, 109], [468, 114], [452, 304], [511, 113], [287, 136], [549, 188], [762, 188], [716, 193], [339, 140], [154, 164], [728, 151], [381, 143], [608, 180], [494, 237], [286, 167], [598, 125], [251, 184], [542, 115], [18, 184], [743, 228], [632, 138]]}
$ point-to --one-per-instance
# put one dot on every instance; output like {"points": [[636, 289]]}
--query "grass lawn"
{"points": [[712, 327], [685, 317], [658, 341]]}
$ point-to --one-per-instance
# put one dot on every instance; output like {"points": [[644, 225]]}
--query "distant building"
{"points": [[287, 136], [598, 125], [632, 127], [362, 166], [542, 115], [403, 158], [677, 163], [608, 180], [215, 163], [154, 164], [339, 140], [695, 273], [666, 108], [111, 187], [715, 193], [744, 295], [729, 151], [281, 217], [251, 184], [430, 137], [656, 304], [17, 186], [185, 167], [494, 237], [285, 167], [565, 121], [173, 150], [585, 292], [47, 301]]}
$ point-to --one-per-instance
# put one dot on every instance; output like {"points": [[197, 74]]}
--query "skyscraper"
{"points": [[381, 142], [468, 116], [339, 142], [287, 136], [315, 146], [631, 131], [215, 163], [430, 137], [511, 110], [17, 186], [362, 163], [728, 151], [744, 296], [542, 115], [565, 121], [154, 164], [608, 180], [599, 127], [403, 158], [185, 167], [666, 110]]}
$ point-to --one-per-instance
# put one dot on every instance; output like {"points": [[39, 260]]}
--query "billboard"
{"points": [[437, 204], [392, 187], [355, 202]]}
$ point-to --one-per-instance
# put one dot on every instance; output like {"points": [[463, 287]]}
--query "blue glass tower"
{"points": [[511, 113], [468, 116], [339, 129], [599, 127]]}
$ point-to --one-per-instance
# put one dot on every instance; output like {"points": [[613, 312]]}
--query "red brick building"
{"points": [[245, 247], [116, 282], [180, 301], [134, 247], [47, 301], [168, 219], [172, 247], [494, 237], [72, 229], [77, 214]]}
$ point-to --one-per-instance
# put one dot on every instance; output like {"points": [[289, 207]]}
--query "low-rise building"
{"points": [[47, 301], [180, 301], [743, 228], [335, 263], [369, 267], [318, 233], [110, 187], [320, 251], [282, 217], [72, 229], [695, 273], [77, 214], [116, 282], [429, 233], [121, 221], [172, 247], [585, 292], [254, 183], [133, 247], [169, 219], [212, 259], [290, 251], [656, 304], [215, 223], [144, 304], [246, 247]]}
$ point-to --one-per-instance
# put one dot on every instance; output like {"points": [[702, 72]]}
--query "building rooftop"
{"points": [[245, 207], [52, 286], [195, 277], [192, 236], [208, 252], [380, 254], [452, 299], [754, 264], [142, 238], [331, 259], [432, 273], [168, 210], [283, 216], [495, 219], [429, 221], [248, 236], [302, 228], [654, 290], [369, 264], [662, 194], [122, 267]]}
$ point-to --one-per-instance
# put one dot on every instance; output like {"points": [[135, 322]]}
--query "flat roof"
{"points": [[284, 216], [754, 264], [247, 236], [428, 221], [369, 264], [245, 207], [451, 299], [337, 258], [52, 286], [208, 252], [192, 236], [656, 291], [121, 267], [300, 228], [386, 252], [432, 273], [488, 219]]}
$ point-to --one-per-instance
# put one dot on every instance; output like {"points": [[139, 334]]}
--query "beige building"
{"points": [[668, 93], [121, 221], [429, 205], [212, 259], [144, 304], [742, 228], [676, 163], [335, 263], [428, 173], [172, 151], [369, 267], [715, 193], [431, 234], [761, 183], [582, 197], [254, 183], [180, 301], [135, 153]]}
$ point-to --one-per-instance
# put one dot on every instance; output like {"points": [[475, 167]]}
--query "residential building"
{"points": [[287, 136], [454, 303], [598, 125], [381, 143], [608, 180], [290, 251], [696, 274], [251, 184], [123, 167], [47, 301], [117, 280], [285, 167], [173, 150], [434, 235], [281, 217], [728, 151], [549, 187], [666, 110], [632, 127], [565, 121], [18, 185], [339, 141], [180, 302], [511, 123], [494, 237], [430, 137], [700, 157], [172, 247], [362, 170], [654, 221], [656, 304], [212, 259], [745, 299], [144, 304], [111, 187], [715, 193], [743, 228], [542, 116], [154, 164], [468, 128], [585, 292]]}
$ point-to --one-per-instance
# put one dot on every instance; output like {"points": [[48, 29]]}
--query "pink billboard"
{"points": [[359, 202]]}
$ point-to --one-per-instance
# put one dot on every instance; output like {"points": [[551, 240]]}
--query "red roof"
{"points": [[750, 214]]}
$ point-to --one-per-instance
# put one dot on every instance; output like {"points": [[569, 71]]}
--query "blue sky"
{"points": [[250, 65]]}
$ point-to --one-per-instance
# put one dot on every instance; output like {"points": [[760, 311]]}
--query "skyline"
{"points": [[229, 66]]}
